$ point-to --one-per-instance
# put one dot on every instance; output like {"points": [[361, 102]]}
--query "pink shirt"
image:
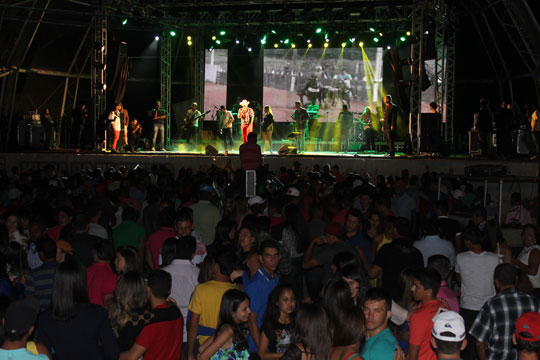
{"points": [[447, 294], [155, 242], [100, 281]]}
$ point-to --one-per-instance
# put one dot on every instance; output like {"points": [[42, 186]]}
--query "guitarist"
{"points": [[226, 120], [367, 123], [301, 116], [245, 115], [160, 115], [191, 123]]}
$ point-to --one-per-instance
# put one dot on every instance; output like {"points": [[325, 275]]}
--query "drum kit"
{"points": [[359, 127]]}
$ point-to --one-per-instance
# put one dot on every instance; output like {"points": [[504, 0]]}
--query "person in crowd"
{"points": [[441, 264], [259, 287], [160, 340], [294, 238], [385, 233], [127, 259], [63, 216], [229, 341], [64, 251], [474, 273], [155, 240], [13, 225], [129, 232], [517, 215], [529, 258], [336, 299], [18, 326], [206, 299], [448, 336], [36, 232], [425, 288], [381, 343], [205, 215], [403, 204], [450, 228], [494, 325], [16, 266], [484, 124], [185, 227], [349, 337], [354, 235], [247, 250], [355, 276], [82, 242], [479, 217], [168, 251], [526, 337], [101, 281], [432, 244], [73, 327], [94, 213], [184, 275], [267, 127], [495, 241], [278, 330], [371, 228], [314, 341], [250, 153], [224, 238], [39, 283]]}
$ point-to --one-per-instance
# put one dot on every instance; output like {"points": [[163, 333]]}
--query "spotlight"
{"points": [[352, 39], [249, 49], [102, 87], [310, 45], [325, 44], [376, 39], [222, 32], [408, 33], [214, 38], [402, 38], [371, 29], [308, 41], [156, 38], [388, 47], [343, 44], [237, 41], [189, 37], [380, 34], [293, 45], [263, 40], [318, 31], [172, 33], [218, 42], [124, 22], [276, 45], [286, 41], [189, 43], [327, 40], [426, 32], [274, 32], [361, 44]]}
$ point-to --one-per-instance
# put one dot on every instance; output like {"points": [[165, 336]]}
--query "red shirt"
{"points": [[100, 281], [155, 242], [162, 340], [54, 232], [250, 156], [420, 326]]}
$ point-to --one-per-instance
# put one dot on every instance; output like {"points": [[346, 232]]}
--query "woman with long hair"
{"points": [[127, 259], [294, 238], [495, 241], [224, 238], [267, 127], [314, 336], [278, 326], [349, 338], [358, 282], [230, 338], [14, 226], [75, 328], [528, 260], [336, 298]]}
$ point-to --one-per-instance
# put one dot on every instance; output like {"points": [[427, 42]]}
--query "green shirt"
{"points": [[128, 233]]}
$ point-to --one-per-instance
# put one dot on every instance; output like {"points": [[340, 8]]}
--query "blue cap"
{"points": [[206, 187]]}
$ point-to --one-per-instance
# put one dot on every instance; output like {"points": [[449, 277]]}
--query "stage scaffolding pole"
{"points": [[416, 66], [99, 74], [165, 83], [199, 76]]}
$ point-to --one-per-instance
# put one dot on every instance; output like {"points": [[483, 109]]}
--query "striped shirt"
{"points": [[40, 282]]}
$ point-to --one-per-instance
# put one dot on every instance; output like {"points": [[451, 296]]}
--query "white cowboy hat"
{"points": [[244, 102]]}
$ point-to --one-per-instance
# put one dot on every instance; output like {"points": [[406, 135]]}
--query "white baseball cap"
{"points": [[450, 322], [292, 191], [255, 200]]}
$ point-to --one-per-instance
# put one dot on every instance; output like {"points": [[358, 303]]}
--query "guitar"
{"points": [[189, 122]]}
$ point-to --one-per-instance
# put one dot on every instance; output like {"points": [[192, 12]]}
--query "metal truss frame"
{"points": [[416, 64], [99, 73], [165, 82]]}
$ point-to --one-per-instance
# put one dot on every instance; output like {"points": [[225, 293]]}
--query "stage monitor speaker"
{"points": [[474, 144], [210, 150], [287, 150], [486, 170], [523, 142], [430, 132]]}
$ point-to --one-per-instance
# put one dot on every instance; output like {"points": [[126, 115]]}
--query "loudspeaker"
{"points": [[474, 144], [287, 150], [430, 132], [523, 143], [210, 150]]}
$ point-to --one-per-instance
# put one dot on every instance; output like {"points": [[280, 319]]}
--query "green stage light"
{"points": [[402, 38], [218, 42], [352, 39], [273, 32], [376, 39], [172, 33], [222, 32], [371, 29], [286, 41], [326, 36], [263, 40], [318, 31], [124, 22]]}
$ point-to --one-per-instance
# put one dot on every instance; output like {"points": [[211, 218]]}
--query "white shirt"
{"points": [[434, 245], [115, 118], [524, 258], [476, 272], [184, 279]]}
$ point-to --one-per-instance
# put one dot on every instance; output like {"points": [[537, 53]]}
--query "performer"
{"points": [[301, 116], [135, 130], [535, 130], [191, 123], [115, 121], [267, 127], [366, 119], [345, 121], [124, 118], [50, 129], [484, 125], [245, 115], [226, 120], [80, 126], [159, 125], [390, 123]]}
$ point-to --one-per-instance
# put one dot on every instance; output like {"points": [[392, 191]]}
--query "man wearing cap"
{"points": [[526, 337], [226, 120], [495, 323], [301, 116], [448, 335], [192, 122], [18, 326], [380, 343], [205, 215], [245, 115]]}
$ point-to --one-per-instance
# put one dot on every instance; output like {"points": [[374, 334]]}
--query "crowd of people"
{"points": [[320, 264]]}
